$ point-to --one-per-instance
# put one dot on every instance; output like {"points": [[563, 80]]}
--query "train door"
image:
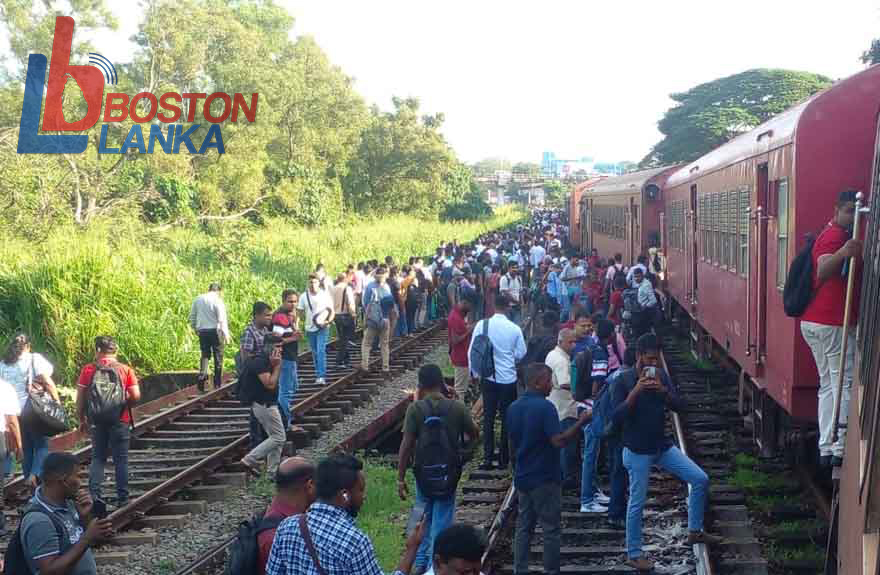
{"points": [[758, 280], [691, 240]]}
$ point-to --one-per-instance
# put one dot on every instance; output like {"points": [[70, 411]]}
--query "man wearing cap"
{"points": [[207, 316]]}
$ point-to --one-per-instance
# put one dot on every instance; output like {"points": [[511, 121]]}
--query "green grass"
{"points": [[758, 481], [384, 516], [796, 526], [445, 364], [807, 553], [138, 283]]}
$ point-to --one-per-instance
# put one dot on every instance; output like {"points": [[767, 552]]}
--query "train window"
{"points": [[716, 233], [744, 231], [781, 232], [732, 221], [725, 240], [701, 217]]}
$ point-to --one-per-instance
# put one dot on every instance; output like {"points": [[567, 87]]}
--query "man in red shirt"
{"points": [[459, 339], [294, 494], [110, 432], [822, 322]]}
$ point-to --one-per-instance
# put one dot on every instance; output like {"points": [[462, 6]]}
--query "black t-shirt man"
{"points": [[254, 367], [282, 326]]}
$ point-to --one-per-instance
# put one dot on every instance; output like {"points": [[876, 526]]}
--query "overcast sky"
{"points": [[576, 77]]}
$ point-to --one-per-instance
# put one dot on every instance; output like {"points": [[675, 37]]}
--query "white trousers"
{"points": [[825, 343]]}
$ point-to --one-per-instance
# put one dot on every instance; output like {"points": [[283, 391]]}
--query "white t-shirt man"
{"points": [[512, 286], [313, 303], [536, 255]]}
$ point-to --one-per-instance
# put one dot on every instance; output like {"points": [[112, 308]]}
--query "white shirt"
{"points": [[19, 373], [312, 304], [511, 285], [208, 312], [560, 396], [361, 278], [629, 274], [9, 404], [493, 253], [508, 346], [571, 273], [647, 297], [536, 255]]}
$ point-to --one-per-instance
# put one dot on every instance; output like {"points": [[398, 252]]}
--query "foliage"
{"points": [[527, 169], [384, 516], [710, 114], [871, 56], [316, 152], [489, 166], [401, 163], [555, 193], [137, 284], [465, 198]]}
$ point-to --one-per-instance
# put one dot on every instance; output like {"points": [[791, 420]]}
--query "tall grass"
{"points": [[138, 283]]}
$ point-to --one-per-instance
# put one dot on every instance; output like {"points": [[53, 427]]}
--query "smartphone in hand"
{"points": [[99, 508]]}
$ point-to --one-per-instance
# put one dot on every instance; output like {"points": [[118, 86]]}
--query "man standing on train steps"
{"points": [[535, 438], [207, 316], [822, 321]]}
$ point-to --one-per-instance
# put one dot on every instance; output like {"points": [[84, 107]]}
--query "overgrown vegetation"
{"points": [[315, 154], [384, 515], [138, 284]]}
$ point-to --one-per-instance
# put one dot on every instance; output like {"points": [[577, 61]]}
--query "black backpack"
{"points": [[244, 553], [437, 466], [482, 357], [105, 398], [15, 559], [798, 290]]}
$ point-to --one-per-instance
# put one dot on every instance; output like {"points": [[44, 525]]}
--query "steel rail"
{"points": [[218, 551], [701, 551]]}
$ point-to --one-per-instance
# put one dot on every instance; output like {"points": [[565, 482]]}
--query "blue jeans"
{"points": [[400, 328], [439, 514], [318, 345], [568, 454], [287, 384], [34, 448], [617, 505], [675, 462], [108, 439], [588, 467]]}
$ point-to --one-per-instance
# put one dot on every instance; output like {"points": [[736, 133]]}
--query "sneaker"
{"points": [[641, 564], [601, 497], [695, 537], [319, 381], [594, 507]]}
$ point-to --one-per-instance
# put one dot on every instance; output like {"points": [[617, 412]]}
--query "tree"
{"points": [[489, 166], [554, 193], [465, 198], [871, 56], [401, 163], [710, 114]]}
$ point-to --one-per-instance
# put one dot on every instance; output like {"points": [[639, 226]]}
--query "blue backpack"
{"points": [[603, 407], [482, 356]]}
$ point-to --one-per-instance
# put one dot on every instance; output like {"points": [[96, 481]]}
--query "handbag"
{"points": [[42, 414]]}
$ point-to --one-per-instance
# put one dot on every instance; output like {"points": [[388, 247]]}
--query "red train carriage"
{"points": [[622, 214], [575, 234], [736, 217]]}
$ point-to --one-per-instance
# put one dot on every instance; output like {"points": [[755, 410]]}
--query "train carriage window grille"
{"points": [[701, 219], [781, 232], [722, 228], [709, 238], [719, 246], [743, 240], [713, 210], [732, 220], [674, 224]]}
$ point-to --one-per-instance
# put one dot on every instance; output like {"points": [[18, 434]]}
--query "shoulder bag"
{"points": [[310, 545], [41, 413]]}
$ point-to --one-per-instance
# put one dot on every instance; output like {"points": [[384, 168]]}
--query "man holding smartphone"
{"points": [[261, 388], [641, 410]]}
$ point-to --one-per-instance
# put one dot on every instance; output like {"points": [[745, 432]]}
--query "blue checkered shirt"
{"points": [[342, 548]]}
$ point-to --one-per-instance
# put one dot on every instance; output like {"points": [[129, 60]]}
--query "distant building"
{"points": [[553, 167]]}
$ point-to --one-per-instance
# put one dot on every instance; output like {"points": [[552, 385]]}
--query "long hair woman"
{"points": [[28, 373]]}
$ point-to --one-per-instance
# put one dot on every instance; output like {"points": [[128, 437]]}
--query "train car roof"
{"points": [[774, 133], [632, 182]]}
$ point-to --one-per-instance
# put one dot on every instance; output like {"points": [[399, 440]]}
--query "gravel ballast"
{"points": [[179, 546]]}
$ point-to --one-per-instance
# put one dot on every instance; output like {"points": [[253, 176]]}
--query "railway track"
{"points": [[187, 455]]}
